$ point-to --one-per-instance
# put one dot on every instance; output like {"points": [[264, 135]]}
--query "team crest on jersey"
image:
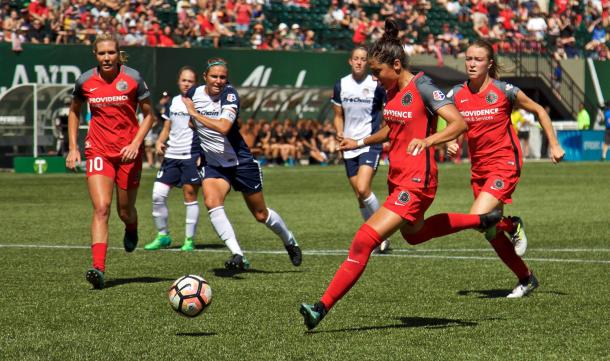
{"points": [[407, 98], [491, 97], [438, 95], [498, 184], [365, 91], [403, 198], [231, 97], [122, 86]]}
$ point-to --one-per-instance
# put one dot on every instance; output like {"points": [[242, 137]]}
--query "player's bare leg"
{"points": [[126, 207], [273, 221], [100, 190]]}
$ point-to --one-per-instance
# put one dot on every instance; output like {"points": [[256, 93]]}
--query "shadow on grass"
{"points": [[122, 281], [410, 322], [223, 272], [196, 334], [496, 293]]}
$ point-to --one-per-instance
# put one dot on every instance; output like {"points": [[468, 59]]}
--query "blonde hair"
{"points": [[123, 57]]}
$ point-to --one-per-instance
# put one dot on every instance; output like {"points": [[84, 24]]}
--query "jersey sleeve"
{"points": [[78, 91], [166, 112], [191, 92], [336, 99], [433, 97], [142, 91], [508, 89], [229, 104], [380, 98]]}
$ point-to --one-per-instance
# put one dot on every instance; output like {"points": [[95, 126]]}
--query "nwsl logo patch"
{"points": [[438, 95], [491, 97], [407, 99], [403, 198], [498, 184]]}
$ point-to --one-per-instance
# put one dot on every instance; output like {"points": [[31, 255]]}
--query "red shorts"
{"points": [[411, 204], [499, 185], [125, 175]]}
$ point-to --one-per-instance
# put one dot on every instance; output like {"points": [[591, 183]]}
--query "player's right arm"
{"points": [[73, 157], [163, 136], [381, 136], [338, 120]]}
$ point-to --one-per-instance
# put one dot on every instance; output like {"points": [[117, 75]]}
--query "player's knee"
{"points": [[363, 191], [212, 202], [101, 210], [261, 215], [160, 192], [126, 214]]}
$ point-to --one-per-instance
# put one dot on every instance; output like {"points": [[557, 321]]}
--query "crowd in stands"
{"points": [[570, 28]]}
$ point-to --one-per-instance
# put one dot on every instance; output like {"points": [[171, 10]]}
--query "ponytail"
{"points": [[388, 48]]}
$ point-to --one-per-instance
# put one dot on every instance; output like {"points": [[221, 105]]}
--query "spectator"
{"points": [[583, 119], [37, 34]]}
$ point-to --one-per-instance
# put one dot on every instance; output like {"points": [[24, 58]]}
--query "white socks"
{"points": [[223, 228], [159, 209], [275, 223], [192, 217], [371, 205]]}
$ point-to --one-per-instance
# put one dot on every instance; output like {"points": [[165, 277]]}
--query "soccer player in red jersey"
{"points": [[113, 146], [413, 103], [486, 103]]}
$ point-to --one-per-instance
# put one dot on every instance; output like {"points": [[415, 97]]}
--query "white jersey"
{"points": [[183, 142], [362, 103], [220, 150]]}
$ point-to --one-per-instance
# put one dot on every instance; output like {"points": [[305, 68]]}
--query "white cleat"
{"points": [[523, 290], [518, 237], [384, 247]]}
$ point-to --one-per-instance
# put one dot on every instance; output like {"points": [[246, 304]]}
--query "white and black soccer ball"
{"points": [[190, 295]]}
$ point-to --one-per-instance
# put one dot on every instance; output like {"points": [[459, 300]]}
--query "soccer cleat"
{"points": [[161, 241], [130, 240], [189, 245], [312, 314], [524, 289], [518, 237], [384, 247], [237, 262], [96, 278], [488, 223], [294, 251]]}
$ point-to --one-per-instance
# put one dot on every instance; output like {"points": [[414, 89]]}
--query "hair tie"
{"points": [[215, 63]]}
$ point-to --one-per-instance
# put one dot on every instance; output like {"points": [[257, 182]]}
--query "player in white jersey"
{"points": [[358, 103], [179, 168], [214, 108]]}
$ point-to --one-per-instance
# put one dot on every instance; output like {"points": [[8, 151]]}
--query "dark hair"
{"points": [[186, 68], [388, 48], [356, 49], [214, 62], [491, 56]]}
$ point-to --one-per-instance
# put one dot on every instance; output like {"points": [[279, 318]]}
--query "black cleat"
{"points": [[294, 252], [490, 219], [237, 262], [130, 240], [96, 278]]}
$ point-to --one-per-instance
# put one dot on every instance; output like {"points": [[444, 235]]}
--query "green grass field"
{"points": [[443, 300]]}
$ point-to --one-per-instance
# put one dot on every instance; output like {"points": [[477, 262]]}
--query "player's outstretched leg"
{"points": [[518, 237], [312, 314], [96, 278], [275, 223], [525, 287]]}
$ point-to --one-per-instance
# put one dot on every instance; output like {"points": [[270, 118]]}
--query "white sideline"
{"points": [[401, 253]]}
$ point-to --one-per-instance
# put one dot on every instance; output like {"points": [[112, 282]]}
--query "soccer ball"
{"points": [[190, 295]]}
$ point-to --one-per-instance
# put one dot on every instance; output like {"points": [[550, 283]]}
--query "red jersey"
{"points": [[492, 140], [411, 113], [113, 108]]}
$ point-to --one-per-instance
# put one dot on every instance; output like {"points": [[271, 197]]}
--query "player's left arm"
{"points": [[130, 152], [221, 125], [525, 102]]}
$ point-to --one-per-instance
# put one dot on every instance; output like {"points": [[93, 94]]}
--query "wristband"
{"points": [[360, 143]]}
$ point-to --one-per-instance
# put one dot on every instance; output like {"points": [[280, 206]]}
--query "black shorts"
{"points": [[523, 135], [246, 177]]}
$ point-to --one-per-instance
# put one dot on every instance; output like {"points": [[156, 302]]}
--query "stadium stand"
{"points": [[566, 29]]}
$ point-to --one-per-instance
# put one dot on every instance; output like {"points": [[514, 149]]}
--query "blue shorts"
{"points": [[370, 158], [246, 178], [176, 172]]}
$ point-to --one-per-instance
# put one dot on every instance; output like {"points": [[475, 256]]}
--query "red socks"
{"points": [[131, 227], [98, 252], [441, 225], [506, 225], [506, 251], [351, 269]]}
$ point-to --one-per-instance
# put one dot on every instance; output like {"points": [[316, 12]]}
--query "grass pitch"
{"points": [[443, 300]]}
